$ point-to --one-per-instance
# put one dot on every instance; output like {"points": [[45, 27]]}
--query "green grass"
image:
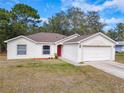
{"points": [[55, 76], [120, 57]]}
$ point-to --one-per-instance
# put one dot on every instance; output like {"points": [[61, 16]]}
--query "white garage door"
{"points": [[96, 53]]}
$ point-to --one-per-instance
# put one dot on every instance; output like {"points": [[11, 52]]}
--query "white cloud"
{"points": [[44, 20], [113, 20], [92, 7], [108, 27], [120, 4], [110, 23], [114, 3], [81, 4], [109, 3]]}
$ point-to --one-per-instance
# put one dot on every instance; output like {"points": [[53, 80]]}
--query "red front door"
{"points": [[59, 50]]}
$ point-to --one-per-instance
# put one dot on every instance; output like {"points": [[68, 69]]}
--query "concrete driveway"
{"points": [[113, 68]]}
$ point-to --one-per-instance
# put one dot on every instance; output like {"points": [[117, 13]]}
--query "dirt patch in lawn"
{"points": [[3, 57], [55, 76]]}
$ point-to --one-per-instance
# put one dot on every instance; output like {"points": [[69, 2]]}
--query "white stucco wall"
{"points": [[70, 52], [33, 50]]}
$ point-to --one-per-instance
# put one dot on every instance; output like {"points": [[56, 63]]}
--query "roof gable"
{"points": [[86, 37], [18, 38], [103, 35], [97, 40]]}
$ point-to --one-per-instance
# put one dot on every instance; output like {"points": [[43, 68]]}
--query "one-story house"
{"points": [[119, 46], [75, 48]]}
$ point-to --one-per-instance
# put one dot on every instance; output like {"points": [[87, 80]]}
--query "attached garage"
{"points": [[95, 47], [95, 53]]}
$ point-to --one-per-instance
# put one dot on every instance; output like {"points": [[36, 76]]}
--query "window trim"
{"points": [[23, 50], [45, 50]]}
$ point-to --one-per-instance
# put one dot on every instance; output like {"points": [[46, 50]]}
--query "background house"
{"points": [[119, 46]]}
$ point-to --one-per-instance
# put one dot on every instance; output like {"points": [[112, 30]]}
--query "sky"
{"points": [[111, 11]]}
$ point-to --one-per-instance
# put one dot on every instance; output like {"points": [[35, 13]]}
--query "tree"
{"points": [[74, 20], [26, 16], [4, 27], [120, 31], [21, 20], [112, 34], [57, 24], [117, 33], [93, 22]]}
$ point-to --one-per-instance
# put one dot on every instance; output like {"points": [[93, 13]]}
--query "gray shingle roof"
{"points": [[46, 37], [79, 38]]}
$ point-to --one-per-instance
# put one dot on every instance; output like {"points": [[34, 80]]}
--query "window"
{"points": [[21, 49], [46, 49]]}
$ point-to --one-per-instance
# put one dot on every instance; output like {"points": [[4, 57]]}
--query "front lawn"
{"points": [[55, 76]]}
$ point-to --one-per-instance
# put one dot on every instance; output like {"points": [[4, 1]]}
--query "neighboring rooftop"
{"points": [[120, 42], [46, 37]]}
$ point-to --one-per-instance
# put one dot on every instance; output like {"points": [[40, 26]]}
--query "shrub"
{"points": [[81, 62], [56, 56]]}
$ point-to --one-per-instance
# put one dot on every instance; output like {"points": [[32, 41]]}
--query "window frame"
{"points": [[23, 50], [45, 50]]}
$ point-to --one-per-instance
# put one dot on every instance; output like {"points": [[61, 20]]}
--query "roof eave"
{"points": [[21, 36], [9, 40]]}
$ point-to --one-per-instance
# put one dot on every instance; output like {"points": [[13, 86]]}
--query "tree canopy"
{"points": [[18, 21], [117, 33], [74, 20]]}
